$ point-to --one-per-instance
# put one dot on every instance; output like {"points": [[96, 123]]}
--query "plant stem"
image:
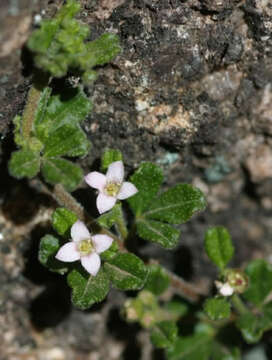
{"points": [[181, 287], [238, 304], [121, 226], [30, 109], [67, 200]]}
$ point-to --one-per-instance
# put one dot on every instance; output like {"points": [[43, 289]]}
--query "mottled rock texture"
{"points": [[192, 90]]}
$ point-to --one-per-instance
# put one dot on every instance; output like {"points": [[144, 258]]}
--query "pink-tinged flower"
{"points": [[111, 186], [85, 248]]}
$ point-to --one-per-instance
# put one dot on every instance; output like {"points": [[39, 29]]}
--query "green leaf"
{"points": [[49, 245], [177, 205], [158, 232], [260, 281], [195, 347], [24, 163], [126, 271], [174, 206], [42, 38], [50, 53], [108, 219], [109, 156], [59, 45], [251, 327], [62, 220], [69, 108], [67, 140], [218, 246], [148, 179], [164, 334], [217, 308], [220, 352], [42, 105], [157, 280], [177, 309], [103, 49], [87, 289], [18, 137], [62, 171]]}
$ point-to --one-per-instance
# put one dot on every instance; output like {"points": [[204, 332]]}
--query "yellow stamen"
{"points": [[85, 247], [112, 189]]}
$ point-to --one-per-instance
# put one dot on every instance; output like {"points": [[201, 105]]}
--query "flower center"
{"points": [[85, 247], [112, 188]]}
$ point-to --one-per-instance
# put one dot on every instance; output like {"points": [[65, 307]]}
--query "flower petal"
{"points": [[101, 242], [68, 252], [79, 231], [226, 290], [127, 190], [96, 180], [115, 172], [105, 202], [91, 263]]}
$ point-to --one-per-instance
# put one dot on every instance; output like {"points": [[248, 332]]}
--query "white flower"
{"points": [[111, 186], [224, 288], [85, 248]]}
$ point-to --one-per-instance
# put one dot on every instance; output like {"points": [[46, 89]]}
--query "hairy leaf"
{"points": [[217, 308], [49, 245], [218, 246], [158, 232], [195, 347], [24, 163], [56, 170], [62, 220], [147, 179], [126, 271], [87, 289], [70, 108], [221, 352], [164, 334], [67, 140], [109, 156], [42, 106], [101, 50], [177, 205], [252, 327], [108, 219], [59, 45], [260, 281], [157, 280]]}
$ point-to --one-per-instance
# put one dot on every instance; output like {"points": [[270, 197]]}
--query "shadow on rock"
{"points": [[53, 304]]}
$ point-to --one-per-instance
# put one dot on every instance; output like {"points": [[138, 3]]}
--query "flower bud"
{"points": [[237, 279]]}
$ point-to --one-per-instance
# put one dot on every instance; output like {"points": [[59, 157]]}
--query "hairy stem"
{"points": [[32, 103], [238, 304], [67, 200], [181, 287], [121, 226]]}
